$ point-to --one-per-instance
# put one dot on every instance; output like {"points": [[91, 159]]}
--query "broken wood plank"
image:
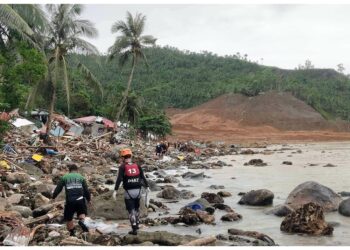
{"points": [[43, 218]]}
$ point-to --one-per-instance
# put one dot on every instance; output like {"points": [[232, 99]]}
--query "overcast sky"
{"points": [[283, 35]]}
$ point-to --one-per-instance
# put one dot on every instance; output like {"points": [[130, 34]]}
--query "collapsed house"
{"points": [[95, 125]]}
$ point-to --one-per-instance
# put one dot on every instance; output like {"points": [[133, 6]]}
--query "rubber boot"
{"points": [[83, 226]]}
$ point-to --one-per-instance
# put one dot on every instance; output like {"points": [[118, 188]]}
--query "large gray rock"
{"points": [[105, 206], [44, 189], [280, 210], [14, 199], [18, 178], [190, 175], [344, 207], [169, 193], [261, 197], [3, 204], [161, 238], [24, 211], [314, 192], [42, 210], [212, 197], [40, 200], [31, 169]]}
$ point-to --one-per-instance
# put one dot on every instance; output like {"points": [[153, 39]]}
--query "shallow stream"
{"points": [[281, 180]]}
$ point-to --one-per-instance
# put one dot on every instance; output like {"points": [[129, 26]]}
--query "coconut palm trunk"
{"points": [[126, 93]]}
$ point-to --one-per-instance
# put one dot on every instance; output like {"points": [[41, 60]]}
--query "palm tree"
{"points": [[64, 34], [129, 45], [24, 19]]}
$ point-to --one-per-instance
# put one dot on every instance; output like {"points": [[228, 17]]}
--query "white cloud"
{"points": [[284, 35]]}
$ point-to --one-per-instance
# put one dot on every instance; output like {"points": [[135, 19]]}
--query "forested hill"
{"points": [[184, 79]]}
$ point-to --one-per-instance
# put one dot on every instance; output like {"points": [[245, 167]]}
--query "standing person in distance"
{"points": [[133, 179]]}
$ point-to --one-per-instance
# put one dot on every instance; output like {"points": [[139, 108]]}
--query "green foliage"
{"points": [[184, 79], [24, 68], [157, 124]]}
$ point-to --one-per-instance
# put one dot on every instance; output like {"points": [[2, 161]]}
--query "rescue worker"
{"points": [[133, 179], [159, 149], [77, 194]]}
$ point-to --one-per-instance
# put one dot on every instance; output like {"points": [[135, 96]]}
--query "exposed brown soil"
{"points": [[271, 117]]}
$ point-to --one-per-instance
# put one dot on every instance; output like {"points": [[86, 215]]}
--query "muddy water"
{"points": [[281, 180]]}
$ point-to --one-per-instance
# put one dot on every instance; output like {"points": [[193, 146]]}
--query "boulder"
{"points": [[280, 210], [265, 239], [224, 194], [161, 238], [189, 217], [217, 187], [105, 206], [344, 207], [344, 194], [40, 200], [42, 210], [171, 179], [224, 207], [255, 162], [3, 204], [190, 175], [169, 193], [31, 169], [287, 163], [186, 194], [329, 165], [14, 199], [24, 211], [212, 197], [261, 197], [18, 178], [205, 217], [314, 192], [231, 217], [44, 189], [308, 219], [153, 186]]}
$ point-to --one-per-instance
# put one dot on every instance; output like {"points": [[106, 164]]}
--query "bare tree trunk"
{"points": [[126, 93], [51, 109]]}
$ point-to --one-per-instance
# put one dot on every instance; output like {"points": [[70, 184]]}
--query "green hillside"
{"points": [[184, 79]]}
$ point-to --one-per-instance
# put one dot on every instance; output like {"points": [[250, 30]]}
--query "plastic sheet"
{"points": [[101, 225]]}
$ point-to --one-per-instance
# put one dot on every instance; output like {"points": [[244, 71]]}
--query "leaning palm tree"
{"points": [[129, 45], [24, 19], [64, 35]]}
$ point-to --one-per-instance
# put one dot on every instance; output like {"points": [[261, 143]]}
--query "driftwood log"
{"points": [[202, 241]]}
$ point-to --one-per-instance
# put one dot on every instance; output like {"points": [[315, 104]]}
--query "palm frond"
{"points": [[75, 9], [91, 78], [10, 18], [33, 14], [86, 28], [139, 24], [124, 57], [122, 27], [148, 40], [121, 44], [84, 46]]}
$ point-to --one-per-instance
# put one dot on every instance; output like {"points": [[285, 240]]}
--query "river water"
{"points": [[281, 180]]}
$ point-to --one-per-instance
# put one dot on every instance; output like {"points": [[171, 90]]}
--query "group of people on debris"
{"points": [[129, 173], [78, 195]]}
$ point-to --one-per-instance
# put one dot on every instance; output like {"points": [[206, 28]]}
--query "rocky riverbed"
{"points": [[234, 194]]}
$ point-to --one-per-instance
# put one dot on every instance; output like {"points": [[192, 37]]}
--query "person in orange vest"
{"points": [[133, 179]]}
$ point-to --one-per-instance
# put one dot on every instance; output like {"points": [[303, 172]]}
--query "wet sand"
{"points": [[281, 180]]}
